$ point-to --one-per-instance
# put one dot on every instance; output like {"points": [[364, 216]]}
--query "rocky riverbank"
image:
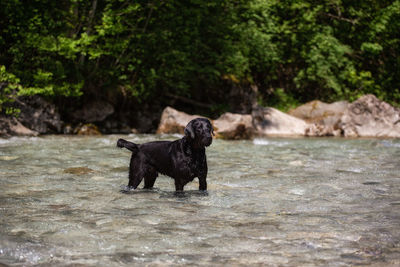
{"points": [[365, 117]]}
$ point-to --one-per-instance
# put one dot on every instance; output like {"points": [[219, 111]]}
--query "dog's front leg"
{"points": [[178, 185], [203, 177], [179, 188], [203, 182]]}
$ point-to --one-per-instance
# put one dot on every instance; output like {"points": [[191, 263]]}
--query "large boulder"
{"points": [[227, 126], [323, 118], [39, 115], [10, 126], [272, 122], [174, 121], [320, 113], [370, 117], [233, 126], [366, 117]]}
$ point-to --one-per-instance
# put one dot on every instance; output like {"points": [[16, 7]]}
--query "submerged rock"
{"points": [[79, 170], [272, 122], [370, 117], [233, 126], [8, 158]]}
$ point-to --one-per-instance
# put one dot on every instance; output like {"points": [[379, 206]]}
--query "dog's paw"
{"points": [[126, 189], [179, 194]]}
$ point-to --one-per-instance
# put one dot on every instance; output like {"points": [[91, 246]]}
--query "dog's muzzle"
{"points": [[207, 141]]}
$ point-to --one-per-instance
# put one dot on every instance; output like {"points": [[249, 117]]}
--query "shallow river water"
{"points": [[273, 202]]}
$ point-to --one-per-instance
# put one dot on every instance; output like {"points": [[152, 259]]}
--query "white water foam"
{"points": [[261, 142], [265, 142]]}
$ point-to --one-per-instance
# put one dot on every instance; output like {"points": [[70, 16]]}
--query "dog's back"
{"points": [[157, 153]]}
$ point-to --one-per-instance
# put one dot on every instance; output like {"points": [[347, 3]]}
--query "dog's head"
{"points": [[200, 131]]}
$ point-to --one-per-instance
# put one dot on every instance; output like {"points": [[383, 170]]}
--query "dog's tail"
{"points": [[128, 145]]}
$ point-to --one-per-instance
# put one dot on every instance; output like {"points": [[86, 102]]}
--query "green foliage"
{"points": [[280, 100], [294, 51], [9, 85]]}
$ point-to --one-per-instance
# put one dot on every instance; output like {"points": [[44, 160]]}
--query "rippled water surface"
{"points": [[276, 202]]}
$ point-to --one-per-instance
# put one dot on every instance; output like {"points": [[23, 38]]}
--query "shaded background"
{"points": [[204, 57]]}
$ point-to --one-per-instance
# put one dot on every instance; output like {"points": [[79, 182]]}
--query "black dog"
{"points": [[182, 159]]}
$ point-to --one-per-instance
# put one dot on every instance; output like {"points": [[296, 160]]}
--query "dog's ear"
{"points": [[189, 131], [212, 129]]}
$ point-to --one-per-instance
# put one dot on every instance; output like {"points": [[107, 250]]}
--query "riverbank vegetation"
{"points": [[199, 52]]}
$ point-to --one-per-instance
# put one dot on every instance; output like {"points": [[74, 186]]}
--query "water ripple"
{"points": [[273, 201]]}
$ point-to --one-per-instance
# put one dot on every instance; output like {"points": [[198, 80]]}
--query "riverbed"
{"points": [[274, 202]]}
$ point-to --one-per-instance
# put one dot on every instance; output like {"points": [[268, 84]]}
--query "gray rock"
{"points": [[366, 117], [323, 118], [272, 122], [78, 170], [174, 121], [318, 130], [370, 117], [39, 115], [320, 113], [227, 126], [94, 111], [10, 126], [233, 126]]}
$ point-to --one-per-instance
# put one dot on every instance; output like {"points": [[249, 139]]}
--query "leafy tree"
{"points": [[292, 51]]}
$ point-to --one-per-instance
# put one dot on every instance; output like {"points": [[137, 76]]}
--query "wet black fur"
{"points": [[182, 159]]}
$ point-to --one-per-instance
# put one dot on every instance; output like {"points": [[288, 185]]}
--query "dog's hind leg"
{"points": [[137, 169], [150, 177], [134, 179]]}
